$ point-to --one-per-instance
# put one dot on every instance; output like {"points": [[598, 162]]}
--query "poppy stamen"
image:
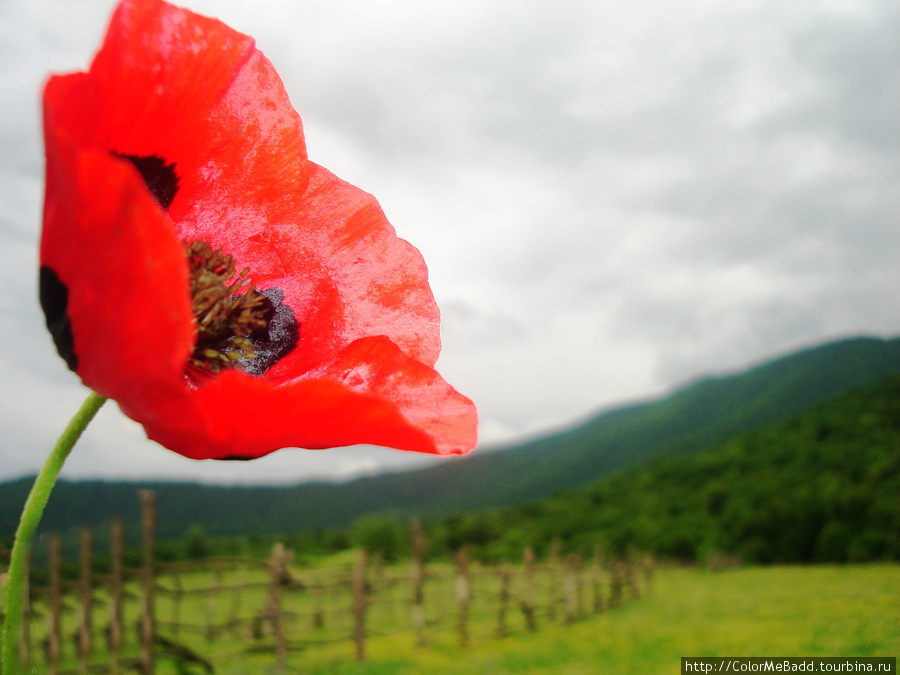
{"points": [[228, 309]]}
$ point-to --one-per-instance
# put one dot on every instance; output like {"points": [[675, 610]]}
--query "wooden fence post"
{"points": [[502, 628], [277, 567], [359, 606], [570, 589], [318, 617], [148, 618], [579, 586], [630, 577], [615, 583], [117, 547], [85, 623], [553, 565], [177, 598], [649, 569], [54, 628], [418, 603], [597, 592], [463, 595], [527, 604], [212, 595], [234, 613]]}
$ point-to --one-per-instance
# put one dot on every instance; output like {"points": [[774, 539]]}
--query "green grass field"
{"points": [[774, 611], [777, 611]]}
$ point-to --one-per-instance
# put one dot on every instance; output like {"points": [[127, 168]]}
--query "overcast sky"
{"points": [[613, 198]]}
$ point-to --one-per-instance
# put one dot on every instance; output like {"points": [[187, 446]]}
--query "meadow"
{"points": [[836, 610], [771, 611]]}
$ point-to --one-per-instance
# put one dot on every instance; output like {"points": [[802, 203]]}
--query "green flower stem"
{"points": [[31, 516]]}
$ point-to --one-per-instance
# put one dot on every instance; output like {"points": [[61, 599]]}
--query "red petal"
{"points": [[375, 395], [376, 366], [198, 94], [344, 271], [240, 154], [193, 91], [217, 108], [109, 242]]}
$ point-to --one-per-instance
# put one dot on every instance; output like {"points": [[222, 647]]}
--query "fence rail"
{"points": [[238, 606]]}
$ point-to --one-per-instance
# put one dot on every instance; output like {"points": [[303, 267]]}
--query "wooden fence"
{"points": [[201, 613]]}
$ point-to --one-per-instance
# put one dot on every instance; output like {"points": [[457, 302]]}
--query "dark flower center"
{"points": [[227, 308], [159, 175], [238, 326]]}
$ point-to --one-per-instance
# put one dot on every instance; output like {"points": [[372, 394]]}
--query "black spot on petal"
{"points": [[277, 338], [159, 175], [54, 297], [236, 458]]}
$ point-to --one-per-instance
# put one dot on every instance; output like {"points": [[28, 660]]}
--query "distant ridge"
{"points": [[696, 417], [819, 486]]}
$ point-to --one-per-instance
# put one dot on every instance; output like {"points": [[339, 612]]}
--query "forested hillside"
{"points": [[820, 486], [694, 418]]}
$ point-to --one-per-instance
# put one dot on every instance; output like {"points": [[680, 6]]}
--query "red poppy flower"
{"points": [[230, 295]]}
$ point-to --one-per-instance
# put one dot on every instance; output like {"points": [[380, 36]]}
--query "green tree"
{"points": [[380, 534], [196, 545]]}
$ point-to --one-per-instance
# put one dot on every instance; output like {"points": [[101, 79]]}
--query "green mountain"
{"points": [[697, 417], [820, 486], [700, 415]]}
